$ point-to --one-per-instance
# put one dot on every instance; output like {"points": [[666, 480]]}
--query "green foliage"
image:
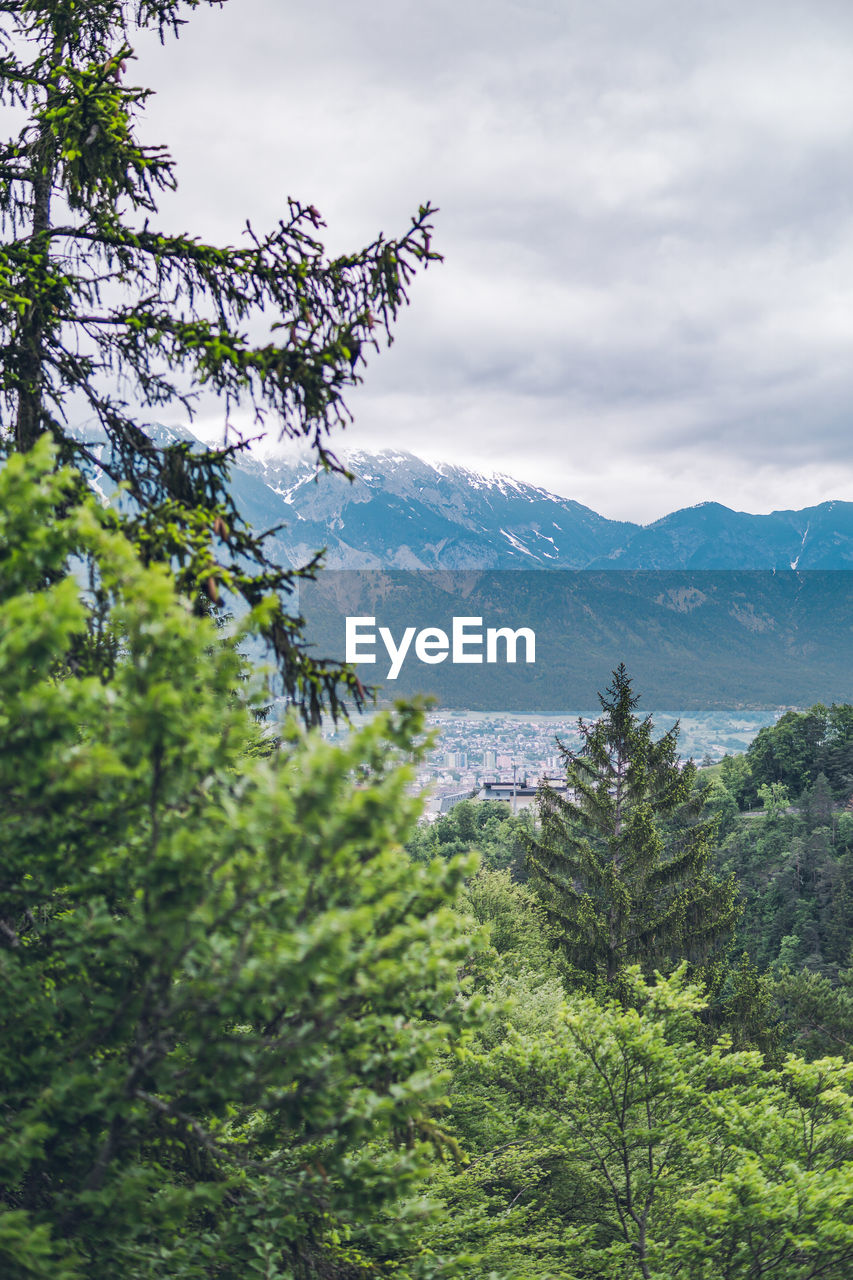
{"points": [[818, 1011], [736, 776], [802, 745], [224, 983], [498, 836], [720, 803], [502, 1201], [794, 865], [95, 298], [636, 1152], [773, 797], [236, 1036], [744, 1005], [518, 927], [780, 1199], [622, 864]]}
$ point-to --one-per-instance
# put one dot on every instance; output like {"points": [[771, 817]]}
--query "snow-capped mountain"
{"points": [[401, 512], [691, 639]]}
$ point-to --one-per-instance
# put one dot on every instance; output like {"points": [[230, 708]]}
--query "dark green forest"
{"points": [[256, 1021]]}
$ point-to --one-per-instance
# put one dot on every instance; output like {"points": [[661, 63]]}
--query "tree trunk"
{"points": [[31, 329]]}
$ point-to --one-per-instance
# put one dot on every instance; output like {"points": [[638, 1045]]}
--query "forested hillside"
{"points": [[622, 1123], [246, 1034], [781, 817]]}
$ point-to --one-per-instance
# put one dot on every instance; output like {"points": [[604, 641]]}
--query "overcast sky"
{"points": [[646, 216]]}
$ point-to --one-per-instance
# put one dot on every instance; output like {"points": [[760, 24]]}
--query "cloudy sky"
{"points": [[646, 217]]}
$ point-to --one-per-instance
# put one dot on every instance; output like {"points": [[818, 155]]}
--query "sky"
{"points": [[646, 215]]}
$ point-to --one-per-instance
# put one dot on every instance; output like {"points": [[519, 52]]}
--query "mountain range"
{"points": [[402, 512], [769, 633]]}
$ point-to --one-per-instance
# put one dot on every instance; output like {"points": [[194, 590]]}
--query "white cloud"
{"points": [[646, 216]]}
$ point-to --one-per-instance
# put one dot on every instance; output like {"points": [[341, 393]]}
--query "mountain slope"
{"points": [[404, 513], [711, 536]]}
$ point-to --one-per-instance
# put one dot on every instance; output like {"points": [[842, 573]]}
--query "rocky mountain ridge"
{"points": [[402, 512]]}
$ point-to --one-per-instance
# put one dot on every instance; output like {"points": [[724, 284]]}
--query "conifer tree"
{"points": [[224, 985], [108, 322], [622, 863]]}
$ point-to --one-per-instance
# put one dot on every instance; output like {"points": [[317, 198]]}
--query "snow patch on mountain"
{"points": [[395, 509]]}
